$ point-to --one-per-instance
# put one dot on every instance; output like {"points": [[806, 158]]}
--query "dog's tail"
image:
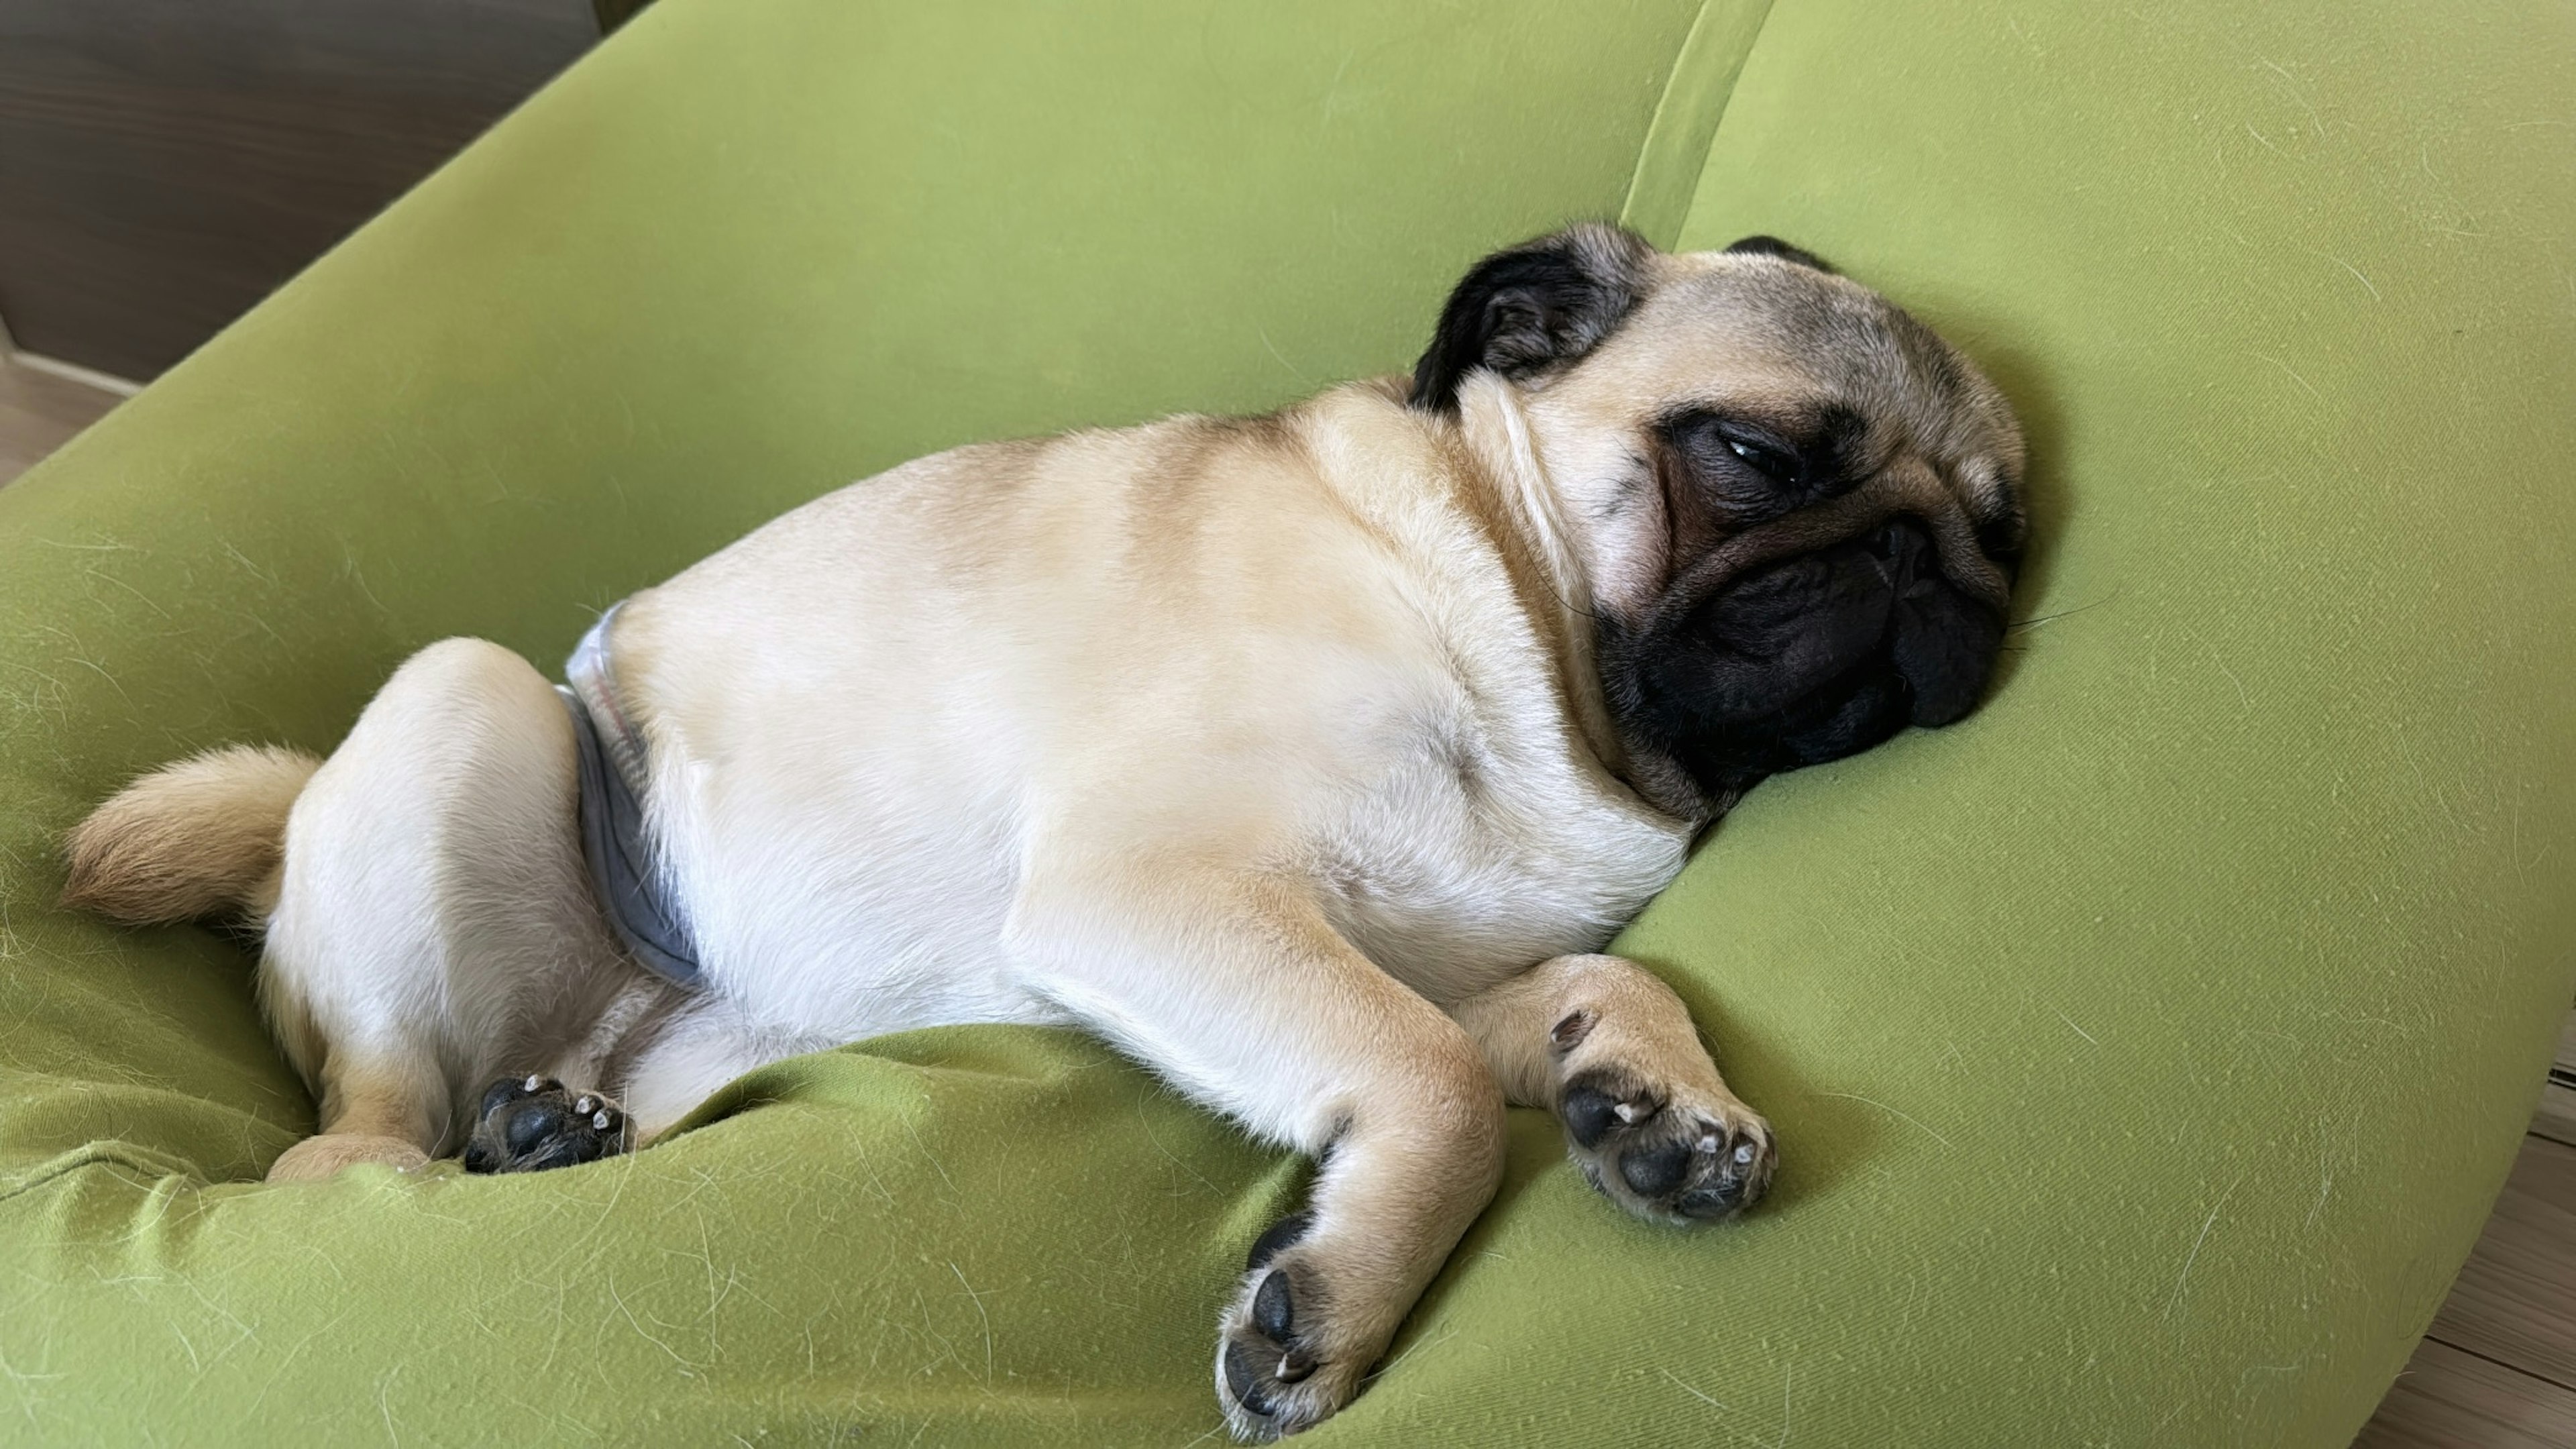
{"points": [[203, 837]]}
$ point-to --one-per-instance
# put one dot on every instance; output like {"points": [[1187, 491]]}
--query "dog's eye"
{"points": [[1741, 469], [1770, 462]]}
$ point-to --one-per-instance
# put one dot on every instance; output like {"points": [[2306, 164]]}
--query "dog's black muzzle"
{"points": [[1816, 657]]}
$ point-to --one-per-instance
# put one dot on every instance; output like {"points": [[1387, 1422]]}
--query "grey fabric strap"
{"points": [[632, 892]]}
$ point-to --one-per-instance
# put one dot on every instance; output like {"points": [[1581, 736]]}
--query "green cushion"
{"points": [[2151, 1045], [2147, 1048]]}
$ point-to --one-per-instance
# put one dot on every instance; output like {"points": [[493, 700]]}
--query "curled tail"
{"points": [[205, 836]]}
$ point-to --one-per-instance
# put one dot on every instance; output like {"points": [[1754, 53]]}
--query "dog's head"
{"points": [[1794, 507]]}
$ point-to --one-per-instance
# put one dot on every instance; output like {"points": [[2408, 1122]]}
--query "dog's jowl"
{"points": [[1306, 758]]}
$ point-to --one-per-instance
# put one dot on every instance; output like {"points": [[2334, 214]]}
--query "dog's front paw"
{"points": [[1281, 1366], [533, 1123], [1666, 1151]]}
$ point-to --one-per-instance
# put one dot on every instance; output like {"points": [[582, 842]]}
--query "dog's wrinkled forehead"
{"points": [[1727, 406], [1771, 338]]}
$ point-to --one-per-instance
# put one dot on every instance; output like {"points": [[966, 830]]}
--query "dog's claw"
{"points": [[532, 1123], [1278, 1366]]}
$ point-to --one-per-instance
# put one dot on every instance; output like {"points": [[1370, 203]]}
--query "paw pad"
{"points": [[1275, 1374], [1661, 1154], [532, 1123]]}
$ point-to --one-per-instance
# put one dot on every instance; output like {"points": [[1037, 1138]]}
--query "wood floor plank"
{"points": [[40, 412], [164, 164], [2448, 1399], [2556, 1119], [2515, 1301]]}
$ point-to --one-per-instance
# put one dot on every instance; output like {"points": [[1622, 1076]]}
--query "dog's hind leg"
{"points": [[434, 928], [671, 1052]]}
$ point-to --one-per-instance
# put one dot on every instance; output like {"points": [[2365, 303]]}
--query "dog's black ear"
{"points": [[1532, 307], [1772, 246]]}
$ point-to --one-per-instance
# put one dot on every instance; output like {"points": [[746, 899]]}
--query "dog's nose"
{"points": [[1900, 539]]}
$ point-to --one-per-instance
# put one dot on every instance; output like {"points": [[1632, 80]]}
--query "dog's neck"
{"points": [[1511, 489]]}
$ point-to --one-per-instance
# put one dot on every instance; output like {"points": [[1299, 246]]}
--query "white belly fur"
{"points": [[865, 716]]}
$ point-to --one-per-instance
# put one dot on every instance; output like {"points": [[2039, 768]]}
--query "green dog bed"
{"points": [[2146, 1050]]}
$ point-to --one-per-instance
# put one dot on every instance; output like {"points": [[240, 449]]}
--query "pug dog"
{"points": [[1308, 758]]}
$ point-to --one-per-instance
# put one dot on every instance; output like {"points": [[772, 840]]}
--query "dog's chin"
{"points": [[1850, 716], [1809, 660]]}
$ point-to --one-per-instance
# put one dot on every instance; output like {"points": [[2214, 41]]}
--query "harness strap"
{"points": [[632, 891]]}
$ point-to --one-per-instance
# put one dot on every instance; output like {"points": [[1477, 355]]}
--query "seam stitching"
{"points": [[1656, 181]]}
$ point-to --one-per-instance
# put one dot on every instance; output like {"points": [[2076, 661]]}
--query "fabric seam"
{"points": [[1688, 115], [96, 1155]]}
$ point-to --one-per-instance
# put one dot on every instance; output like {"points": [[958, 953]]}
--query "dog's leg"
{"points": [[373, 1111], [529, 1124], [1240, 992], [669, 1071], [665, 1050], [434, 928], [1609, 1048]]}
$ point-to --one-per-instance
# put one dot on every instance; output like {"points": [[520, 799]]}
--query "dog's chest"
{"points": [[1487, 851]]}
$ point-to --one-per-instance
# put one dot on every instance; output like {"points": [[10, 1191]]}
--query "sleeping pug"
{"points": [[1306, 757]]}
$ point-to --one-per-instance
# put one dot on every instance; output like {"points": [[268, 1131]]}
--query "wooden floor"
{"points": [[39, 412], [2498, 1371], [2499, 1367]]}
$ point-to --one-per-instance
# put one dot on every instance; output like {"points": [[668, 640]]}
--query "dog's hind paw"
{"points": [[532, 1123]]}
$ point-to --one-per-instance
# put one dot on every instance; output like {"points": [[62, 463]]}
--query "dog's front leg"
{"points": [[1235, 987], [1611, 1050]]}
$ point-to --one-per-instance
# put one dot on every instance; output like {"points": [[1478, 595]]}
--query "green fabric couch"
{"points": [[2146, 1049]]}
